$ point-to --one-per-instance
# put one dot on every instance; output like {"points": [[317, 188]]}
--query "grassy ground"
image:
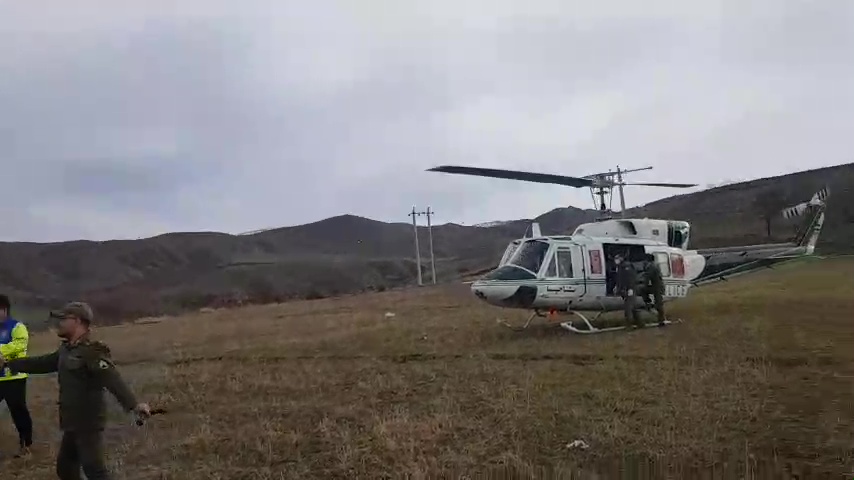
{"points": [[758, 378]]}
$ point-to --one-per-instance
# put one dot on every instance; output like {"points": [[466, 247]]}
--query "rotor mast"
{"points": [[603, 184]]}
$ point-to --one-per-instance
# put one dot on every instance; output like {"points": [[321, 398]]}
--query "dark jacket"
{"points": [[84, 370], [627, 278], [653, 277]]}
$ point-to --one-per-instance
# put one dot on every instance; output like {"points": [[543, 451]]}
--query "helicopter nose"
{"points": [[505, 295], [492, 293]]}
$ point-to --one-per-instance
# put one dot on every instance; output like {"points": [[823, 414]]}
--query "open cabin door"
{"points": [[634, 254], [564, 272]]}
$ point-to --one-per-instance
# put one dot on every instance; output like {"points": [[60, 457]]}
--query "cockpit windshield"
{"points": [[508, 253], [530, 255]]}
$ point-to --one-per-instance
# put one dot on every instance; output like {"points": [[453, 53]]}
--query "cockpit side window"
{"points": [[551, 271]]}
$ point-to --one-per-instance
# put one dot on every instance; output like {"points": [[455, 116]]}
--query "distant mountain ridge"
{"points": [[173, 272]]}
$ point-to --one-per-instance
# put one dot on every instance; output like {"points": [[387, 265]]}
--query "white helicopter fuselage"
{"points": [[576, 272]]}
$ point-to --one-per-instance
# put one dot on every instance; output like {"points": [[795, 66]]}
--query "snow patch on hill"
{"points": [[497, 223]]}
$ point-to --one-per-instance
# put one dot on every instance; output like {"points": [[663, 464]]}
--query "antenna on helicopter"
{"points": [[600, 184]]}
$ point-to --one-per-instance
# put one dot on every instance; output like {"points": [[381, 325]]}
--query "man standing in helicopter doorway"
{"points": [[627, 282], [654, 285]]}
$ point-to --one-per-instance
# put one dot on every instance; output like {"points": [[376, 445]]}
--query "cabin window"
{"points": [[595, 262], [564, 263], [677, 265], [663, 262]]}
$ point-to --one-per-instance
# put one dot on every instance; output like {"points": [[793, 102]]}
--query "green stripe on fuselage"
{"points": [[564, 281]]}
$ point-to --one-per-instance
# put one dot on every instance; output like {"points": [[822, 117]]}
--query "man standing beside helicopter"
{"points": [[627, 283], [653, 285]]}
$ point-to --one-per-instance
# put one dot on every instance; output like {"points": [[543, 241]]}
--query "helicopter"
{"points": [[576, 273]]}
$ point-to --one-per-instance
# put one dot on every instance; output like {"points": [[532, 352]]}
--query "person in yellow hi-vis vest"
{"points": [[13, 386]]}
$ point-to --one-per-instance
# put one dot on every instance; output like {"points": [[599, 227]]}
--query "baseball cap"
{"points": [[80, 310]]}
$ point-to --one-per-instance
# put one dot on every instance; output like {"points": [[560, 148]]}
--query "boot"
{"points": [[23, 452], [24, 448]]}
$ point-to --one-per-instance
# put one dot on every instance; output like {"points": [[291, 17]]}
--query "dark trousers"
{"points": [[82, 450], [14, 392], [630, 309], [657, 300]]}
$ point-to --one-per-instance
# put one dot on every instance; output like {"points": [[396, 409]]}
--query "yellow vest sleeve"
{"points": [[17, 347]]}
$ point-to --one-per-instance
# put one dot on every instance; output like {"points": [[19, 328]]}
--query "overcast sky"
{"points": [[133, 118]]}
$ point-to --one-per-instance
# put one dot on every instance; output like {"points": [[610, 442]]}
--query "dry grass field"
{"points": [[758, 379]]}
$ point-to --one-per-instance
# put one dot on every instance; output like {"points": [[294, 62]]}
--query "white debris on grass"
{"points": [[577, 444]]}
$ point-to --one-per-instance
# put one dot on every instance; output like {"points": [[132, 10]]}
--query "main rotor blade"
{"points": [[672, 185], [515, 175]]}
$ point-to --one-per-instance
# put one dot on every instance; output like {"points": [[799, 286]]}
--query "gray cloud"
{"points": [[131, 120]]}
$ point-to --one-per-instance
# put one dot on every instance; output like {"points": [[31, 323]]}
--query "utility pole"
{"points": [[413, 214], [430, 233], [429, 213]]}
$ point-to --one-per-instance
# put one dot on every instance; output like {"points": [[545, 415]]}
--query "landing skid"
{"points": [[534, 314], [588, 323], [593, 329]]}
